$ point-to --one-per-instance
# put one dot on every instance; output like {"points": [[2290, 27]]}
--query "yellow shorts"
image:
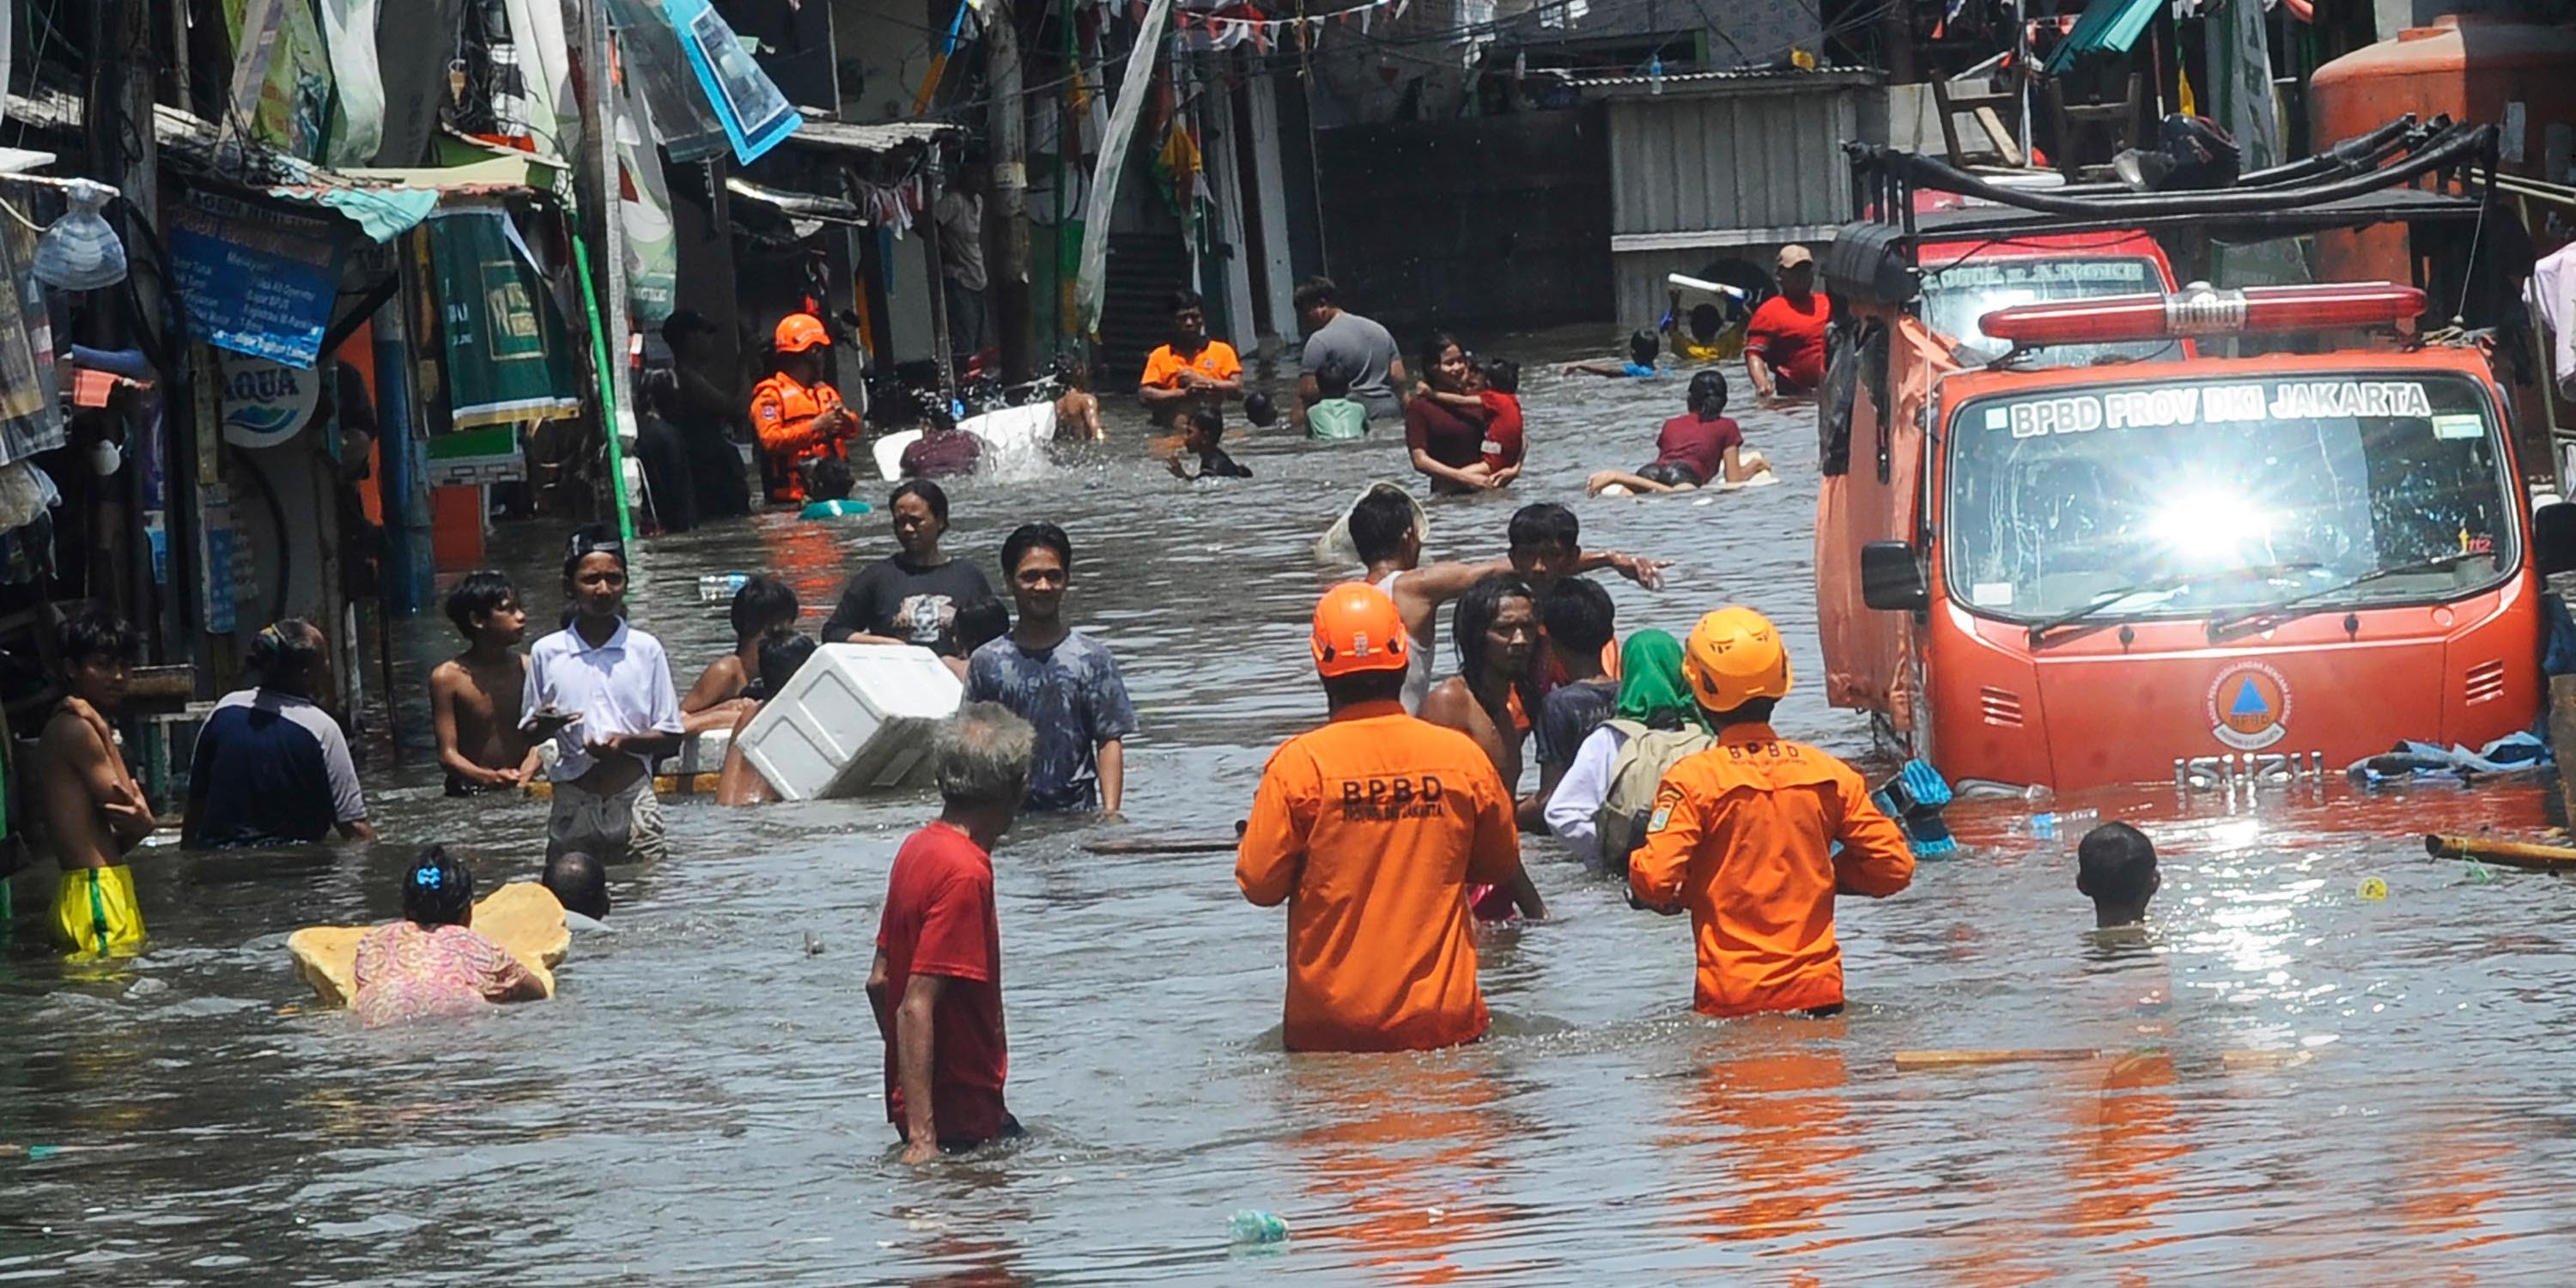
{"points": [[95, 913]]}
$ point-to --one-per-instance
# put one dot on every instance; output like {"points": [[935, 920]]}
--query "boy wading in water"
{"points": [[474, 696], [602, 690], [94, 810]]}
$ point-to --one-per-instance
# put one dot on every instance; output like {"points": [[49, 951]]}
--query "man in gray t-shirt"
{"points": [[1358, 345]]}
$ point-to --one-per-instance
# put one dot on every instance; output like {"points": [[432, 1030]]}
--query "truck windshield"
{"points": [[2194, 498], [1956, 296]]}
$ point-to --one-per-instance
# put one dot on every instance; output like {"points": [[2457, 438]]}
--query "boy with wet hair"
{"points": [[579, 883], [1579, 623], [94, 812], [1060, 680], [827, 490], [764, 604], [1335, 414], [474, 696], [1546, 543], [1206, 429], [2115, 867], [1644, 347]]}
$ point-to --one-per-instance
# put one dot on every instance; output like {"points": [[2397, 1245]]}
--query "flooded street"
{"points": [[2290, 1075]]}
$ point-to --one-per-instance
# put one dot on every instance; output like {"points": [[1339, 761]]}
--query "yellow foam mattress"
{"points": [[522, 916]]}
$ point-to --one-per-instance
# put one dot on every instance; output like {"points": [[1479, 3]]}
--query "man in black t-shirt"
{"points": [[1578, 622]]}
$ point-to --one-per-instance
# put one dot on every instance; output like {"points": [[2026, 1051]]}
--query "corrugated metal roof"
{"points": [[2107, 27], [1699, 165], [891, 136]]}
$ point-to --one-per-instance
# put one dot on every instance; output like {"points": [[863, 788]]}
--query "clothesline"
{"points": [[1225, 30]]}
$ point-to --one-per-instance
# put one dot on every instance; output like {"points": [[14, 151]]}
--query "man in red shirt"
{"points": [[1784, 344], [936, 986]]}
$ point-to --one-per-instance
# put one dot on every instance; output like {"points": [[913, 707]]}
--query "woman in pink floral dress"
{"points": [[431, 962]]}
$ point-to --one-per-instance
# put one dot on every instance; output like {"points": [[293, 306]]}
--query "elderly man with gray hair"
{"points": [[936, 986]]}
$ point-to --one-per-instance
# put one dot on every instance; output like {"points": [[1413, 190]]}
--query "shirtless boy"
{"points": [[94, 810], [764, 605], [474, 696]]}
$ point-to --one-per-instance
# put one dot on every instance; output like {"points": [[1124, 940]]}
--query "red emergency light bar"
{"points": [[2199, 309]]}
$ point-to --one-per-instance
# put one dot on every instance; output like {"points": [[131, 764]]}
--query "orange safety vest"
{"points": [[1743, 836], [783, 414], [1371, 829]]}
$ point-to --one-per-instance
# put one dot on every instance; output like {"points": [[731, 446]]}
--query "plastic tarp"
{"points": [[1113, 160], [282, 77], [414, 41], [649, 53], [1869, 655], [537, 35], [2107, 27], [756, 115], [358, 87]]}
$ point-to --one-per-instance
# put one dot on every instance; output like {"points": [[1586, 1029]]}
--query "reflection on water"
{"points": [[2289, 1076]]}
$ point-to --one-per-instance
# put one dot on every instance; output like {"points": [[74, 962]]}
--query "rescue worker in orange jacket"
{"points": [[1370, 829], [1743, 836], [799, 418]]}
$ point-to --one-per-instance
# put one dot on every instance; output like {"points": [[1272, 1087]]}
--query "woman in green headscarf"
{"points": [[1653, 698], [1652, 689]]}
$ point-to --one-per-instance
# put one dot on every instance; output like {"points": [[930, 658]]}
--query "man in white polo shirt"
{"points": [[602, 690]]}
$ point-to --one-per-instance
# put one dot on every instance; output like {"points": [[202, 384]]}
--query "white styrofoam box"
{"points": [[1015, 440], [700, 753], [857, 717]]}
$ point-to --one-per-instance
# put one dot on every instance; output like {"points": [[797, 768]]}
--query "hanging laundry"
{"points": [[1176, 168]]}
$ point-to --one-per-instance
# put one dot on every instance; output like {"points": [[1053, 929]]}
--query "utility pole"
{"points": [[125, 153], [1008, 117]]}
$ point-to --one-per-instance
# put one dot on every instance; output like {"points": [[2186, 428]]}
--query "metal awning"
{"points": [[797, 205], [383, 202], [2106, 27], [892, 136]]}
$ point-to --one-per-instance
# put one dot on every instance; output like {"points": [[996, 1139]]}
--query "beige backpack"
{"points": [[1634, 776]]}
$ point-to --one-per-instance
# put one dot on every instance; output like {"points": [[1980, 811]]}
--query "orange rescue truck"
{"points": [[2210, 570]]}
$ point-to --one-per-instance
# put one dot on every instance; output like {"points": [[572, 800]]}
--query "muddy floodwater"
{"points": [[2292, 1080]]}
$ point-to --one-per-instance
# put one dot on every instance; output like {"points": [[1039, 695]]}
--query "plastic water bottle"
{"points": [[1655, 74], [719, 587], [1254, 1227], [2047, 826]]}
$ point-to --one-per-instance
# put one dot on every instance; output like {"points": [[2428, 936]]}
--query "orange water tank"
{"points": [[2519, 76]]}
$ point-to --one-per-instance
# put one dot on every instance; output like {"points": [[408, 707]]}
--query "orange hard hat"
{"points": [[1733, 656], [1357, 629], [798, 332]]}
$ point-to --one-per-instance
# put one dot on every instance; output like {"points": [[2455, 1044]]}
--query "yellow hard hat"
{"points": [[1734, 656]]}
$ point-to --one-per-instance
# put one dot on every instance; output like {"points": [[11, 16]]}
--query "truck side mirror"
{"points": [[1890, 578], [2553, 538]]}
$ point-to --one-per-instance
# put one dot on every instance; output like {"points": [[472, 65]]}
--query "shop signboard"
{"points": [[255, 279]]}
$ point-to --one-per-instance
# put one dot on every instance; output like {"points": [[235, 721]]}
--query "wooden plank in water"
{"points": [[1971, 1059], [1201, 845], [663, 785], [2511, 854]]}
